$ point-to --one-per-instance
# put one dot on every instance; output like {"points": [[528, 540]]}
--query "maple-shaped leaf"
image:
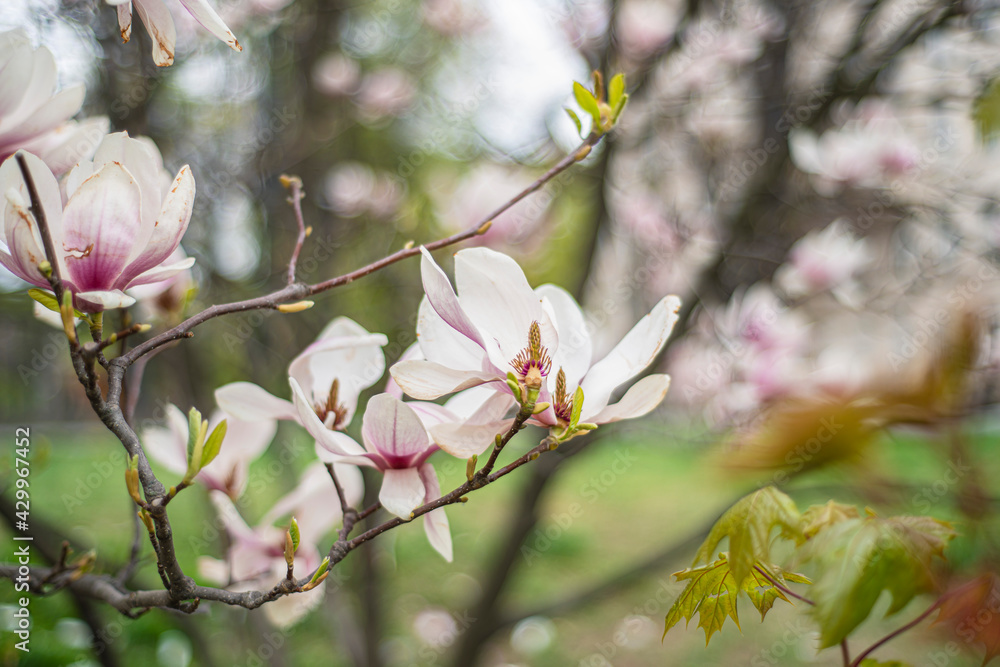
{"points": [[971, 610], [818, 517], [859, 558], [712, 593], [748, 524]]}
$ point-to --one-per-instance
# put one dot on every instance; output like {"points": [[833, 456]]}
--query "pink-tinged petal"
{"points": [[100, 300], [206, 16], [69, 143], [430, 414], [393, 430], [142, 159], [344, 351], [640, 399], [125, 20], [314, 502], [15, 72], [442, 298], [25, 253], [402, 491], [635, 351], [168, 446], [473, 434], [435, 522], [338, 443], [245, 441], [497, 299], [410, 353], [368, 460], [464, 404], [53, 111], [160, 25], [24, 242], [287, 611], [100, 223], [575, 350], [233, 522], [426, 380], [170, 225], [441, 343], [247, 401], [162, 272]]}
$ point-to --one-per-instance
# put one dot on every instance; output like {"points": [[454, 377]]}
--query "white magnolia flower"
{"points": [[33, 116], [485, 331], [116, 230], [160, 25], [823, 260]]}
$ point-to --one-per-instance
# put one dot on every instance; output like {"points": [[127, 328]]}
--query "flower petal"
{"points": [[160, 25], [635, 351], [69, 143], [245, 441], [441, 343], [402, 491], [100, 300], [161, 273], [168, 446], [393, 430], [498, 300], [575, 351], [210, 20], [435, 522], [125, 19], [426, 380], [245, 400], [24, 241], [170, 225], [442, 299], [640, 399], [475, 434], [100, 223], [338, 443]]}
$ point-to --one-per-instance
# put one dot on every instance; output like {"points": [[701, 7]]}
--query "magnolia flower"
{"points": [[33, 116], [160, 25], [255, 558], [396, 444], [327, 379], [115, 230], [497, 324], [244, 442], [823, 260]]}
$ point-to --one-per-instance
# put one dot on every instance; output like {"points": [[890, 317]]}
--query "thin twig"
{"points": [[55, 278], [294, 183], [845, 652], [895, 633], [782, 588]]}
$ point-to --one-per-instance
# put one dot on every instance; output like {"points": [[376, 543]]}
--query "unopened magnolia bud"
{"points": [[45, 268], [483, 228], [288, 181], [296, 307]]}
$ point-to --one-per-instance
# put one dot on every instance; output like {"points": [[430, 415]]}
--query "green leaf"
{"points": [[616, 110], [213, 444], [616, 90], [293, 530], [323, 567], [576, 121], [748, 524], [986, 111], [588, 103], [574, 417], [47, 299], [859, 558], [818, 517], [712, 593]]}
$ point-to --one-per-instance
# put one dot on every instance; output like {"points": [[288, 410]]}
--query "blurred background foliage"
{"points": [[816, 180]]}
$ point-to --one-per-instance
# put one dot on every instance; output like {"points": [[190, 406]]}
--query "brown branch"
{"points": [[294, 183], [895, 633]]}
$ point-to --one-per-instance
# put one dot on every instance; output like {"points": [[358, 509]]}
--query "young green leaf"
{"points": [[576, 121], [574, 417], [712, 593], [293, 530], [194, 430], [213, 444], [818, 517], [616, 90], [859, 558], [587, 102], [47, 299], [748, 524]]}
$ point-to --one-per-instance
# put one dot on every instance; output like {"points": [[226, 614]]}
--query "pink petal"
{"points": [[442, 298], [393, 430], [338, 443], [635, 351], [640, 399], [52, 112], [498, 300], [402, 491], [69, 143], [100, 300], [211, 21], [100, 223], [168, 446], [24, 242], [435, 522], [162, 273], [245, 400], [426, 380], [170, 225], [160, 25], [441, 343], [142, 159], [19, 59], [474, 435], [245, 441]]}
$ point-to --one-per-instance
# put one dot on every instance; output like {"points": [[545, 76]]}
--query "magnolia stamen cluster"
{"points": [[532, 364]]}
